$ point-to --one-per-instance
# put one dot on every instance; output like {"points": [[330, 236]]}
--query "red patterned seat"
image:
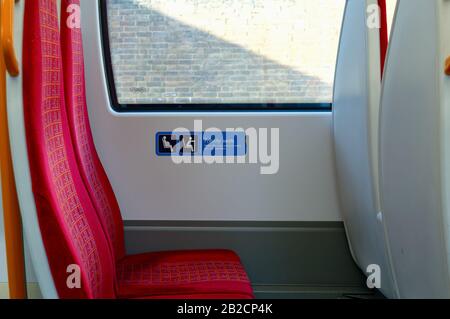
{"points": [[193, 274], [184, 274], [70, 228]]}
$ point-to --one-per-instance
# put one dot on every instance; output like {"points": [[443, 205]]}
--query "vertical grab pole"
{"points": [[11, 213]]}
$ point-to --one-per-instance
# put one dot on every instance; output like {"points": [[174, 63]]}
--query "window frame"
{"points": [[188, 107]]}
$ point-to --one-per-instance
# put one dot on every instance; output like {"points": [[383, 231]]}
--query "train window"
{"points": [[217, 55]]}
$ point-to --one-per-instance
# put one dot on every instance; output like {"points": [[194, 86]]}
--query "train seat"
{"points": [[355, 119], [72, 235], [414, 153], [75, 231], [215, 271]]}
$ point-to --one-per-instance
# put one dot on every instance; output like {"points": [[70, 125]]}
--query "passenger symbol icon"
{"points": [[166, 144], [189, 145]]}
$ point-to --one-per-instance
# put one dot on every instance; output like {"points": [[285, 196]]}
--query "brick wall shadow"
{"points": [[158, 59]]}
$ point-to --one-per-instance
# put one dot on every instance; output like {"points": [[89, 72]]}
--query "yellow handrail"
{"points": [[447, 66], [7, 37], [11, 213]]}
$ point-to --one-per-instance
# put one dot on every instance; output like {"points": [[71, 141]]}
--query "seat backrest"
{"points": [[90, 166], [72, 234], [355, 120], [414, 152]]}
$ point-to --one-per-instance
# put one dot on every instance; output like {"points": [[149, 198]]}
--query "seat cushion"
{"points": [[183, 275]]}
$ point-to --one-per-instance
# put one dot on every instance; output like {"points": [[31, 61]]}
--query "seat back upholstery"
{"points": [[90, 166], [71, 231]]}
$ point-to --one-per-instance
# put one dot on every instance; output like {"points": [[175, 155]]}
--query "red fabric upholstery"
{"points": [[71, 231], [184, 274], [198, 297], [191, 274], [91, 169], [384, 36]]}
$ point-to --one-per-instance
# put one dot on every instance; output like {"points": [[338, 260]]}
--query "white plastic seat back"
{"points": [[415, 149], [32, 232], [356, 117]]}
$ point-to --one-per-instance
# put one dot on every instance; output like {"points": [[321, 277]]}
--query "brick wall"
{"points": [[224, 51]]}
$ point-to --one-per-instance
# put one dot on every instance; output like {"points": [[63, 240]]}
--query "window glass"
{"points": [[222, 53]]}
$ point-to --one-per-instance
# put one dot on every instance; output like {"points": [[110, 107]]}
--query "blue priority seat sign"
{"points": [[209, 143]]}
